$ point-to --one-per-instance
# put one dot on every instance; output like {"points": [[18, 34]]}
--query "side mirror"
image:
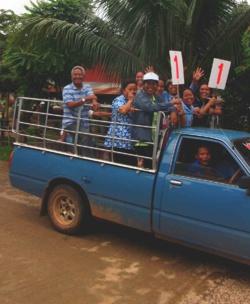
{"points": [[244, 182]]}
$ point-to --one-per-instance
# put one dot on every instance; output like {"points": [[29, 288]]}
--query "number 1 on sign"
{"points": [[176, 66], [219, 74], [220, 67], [177, 71]]}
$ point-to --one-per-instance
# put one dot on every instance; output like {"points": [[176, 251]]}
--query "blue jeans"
{"points": [[83, 139]]}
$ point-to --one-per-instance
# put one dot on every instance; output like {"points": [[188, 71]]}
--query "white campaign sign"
{"points": [[177, 70], [219, 74]]}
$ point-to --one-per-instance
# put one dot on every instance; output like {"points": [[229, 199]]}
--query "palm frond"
{"points": [[134, 33]]}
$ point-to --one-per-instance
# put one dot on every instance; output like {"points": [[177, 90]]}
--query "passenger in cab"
{"points": [[119, 133], [202, 166]]}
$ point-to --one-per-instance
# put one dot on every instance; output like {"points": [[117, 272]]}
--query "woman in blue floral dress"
{"points": [[119, 134]]}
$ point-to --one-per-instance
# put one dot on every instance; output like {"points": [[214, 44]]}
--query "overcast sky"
{"points": [[18, 5], [15, 5]]}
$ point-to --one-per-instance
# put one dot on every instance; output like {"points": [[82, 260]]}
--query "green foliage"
{"points": [[68, 10], [245, 66], [46, 59], [237, 107], [5, 152], [8, 21], [127, 36], [8, 24], [238, 91], [135, 33]]}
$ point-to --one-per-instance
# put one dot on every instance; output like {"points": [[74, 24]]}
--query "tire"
{"points": [[67, 210]]}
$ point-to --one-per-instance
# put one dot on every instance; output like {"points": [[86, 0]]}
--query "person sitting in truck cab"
{"points": [[202, 166]]}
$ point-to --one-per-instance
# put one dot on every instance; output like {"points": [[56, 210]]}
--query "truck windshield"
{"points": [[243, 146]]}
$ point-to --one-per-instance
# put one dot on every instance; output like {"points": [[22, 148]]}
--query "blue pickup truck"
{"points": [[209, 210]]}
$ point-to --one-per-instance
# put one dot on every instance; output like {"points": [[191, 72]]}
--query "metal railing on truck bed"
{"points": [[37, 124]]}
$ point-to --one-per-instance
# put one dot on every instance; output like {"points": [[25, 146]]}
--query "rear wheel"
{"points": [[67, 210]]}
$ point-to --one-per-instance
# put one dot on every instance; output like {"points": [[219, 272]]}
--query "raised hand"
{"points": [[198, 74], [175, 101], [131, 96], [149, 68]]}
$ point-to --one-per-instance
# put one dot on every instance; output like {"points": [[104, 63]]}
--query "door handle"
{"points": [[175, 182]]}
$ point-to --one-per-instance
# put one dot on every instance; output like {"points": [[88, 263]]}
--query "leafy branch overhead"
{"points": [[124, 36], [128, 35]]}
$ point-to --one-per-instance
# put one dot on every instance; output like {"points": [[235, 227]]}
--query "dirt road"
{"points": [[112, 265]]}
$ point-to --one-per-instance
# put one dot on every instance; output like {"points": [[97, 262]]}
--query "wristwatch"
{"points": [[83, 100]]}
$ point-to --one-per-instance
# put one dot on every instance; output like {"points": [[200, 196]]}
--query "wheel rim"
{"points": [[65, 210]]}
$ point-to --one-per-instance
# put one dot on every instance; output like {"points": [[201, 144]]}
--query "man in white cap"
{"points": [[147, 101]]}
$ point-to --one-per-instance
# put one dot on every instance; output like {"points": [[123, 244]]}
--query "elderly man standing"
{"points": [[77, 100]]}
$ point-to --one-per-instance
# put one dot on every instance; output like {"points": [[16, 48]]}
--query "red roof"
{"points": [[101, 82]]}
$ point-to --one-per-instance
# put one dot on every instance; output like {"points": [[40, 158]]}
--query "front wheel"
{"points": [[67, 210]]}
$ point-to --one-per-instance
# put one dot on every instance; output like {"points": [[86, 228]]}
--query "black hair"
{"points": [[186, 88], [206, 83], [125, 83], [145, 80], [164, 81], [168, 83], [203, 146]]}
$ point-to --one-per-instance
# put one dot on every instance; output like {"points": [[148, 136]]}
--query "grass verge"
{"points": [[5, 152]]}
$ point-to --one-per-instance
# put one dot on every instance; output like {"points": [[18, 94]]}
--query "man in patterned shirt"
{"points": [[77, 100]]}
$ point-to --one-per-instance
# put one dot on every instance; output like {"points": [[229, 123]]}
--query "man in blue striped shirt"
{"points": [[77, 100]]}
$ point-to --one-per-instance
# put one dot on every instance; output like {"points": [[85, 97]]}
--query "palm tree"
{"points": [[131, 34]]}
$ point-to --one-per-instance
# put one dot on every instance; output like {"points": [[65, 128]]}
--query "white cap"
{"points": [[151, 76]]}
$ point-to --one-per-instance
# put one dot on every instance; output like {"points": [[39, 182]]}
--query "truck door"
{"points": [[206, 209], [120, 194]]}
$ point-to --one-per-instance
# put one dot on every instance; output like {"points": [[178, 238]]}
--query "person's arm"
{"points": [[127, 107], [218, 109], [90, 97], [95, 104], [206, 109], [174, 119], [182, 119], [145, 104], [197, 75], [149, 68], [179, 117], [82, 101], [97, 114]]}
